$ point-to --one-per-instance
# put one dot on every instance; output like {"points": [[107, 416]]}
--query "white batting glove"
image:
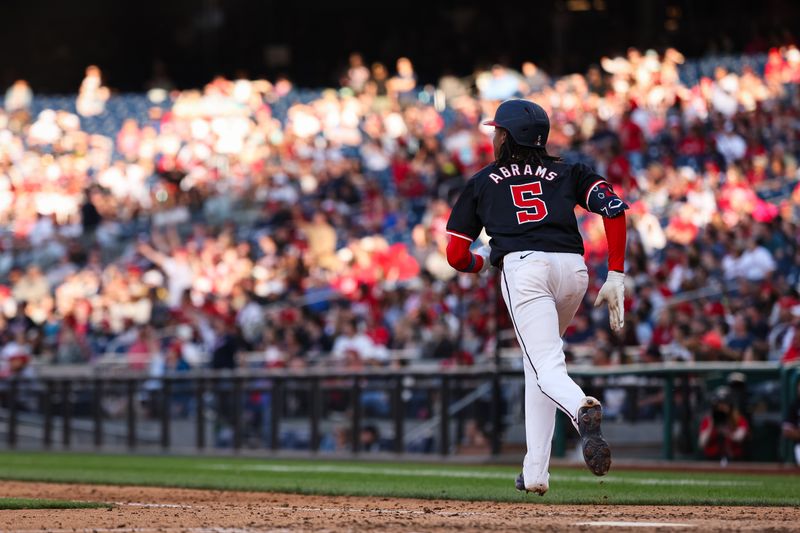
{"points": [[484, 252], [613, 293]]}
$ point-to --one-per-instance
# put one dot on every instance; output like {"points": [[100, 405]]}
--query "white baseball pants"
{"points": [[542, 291]]}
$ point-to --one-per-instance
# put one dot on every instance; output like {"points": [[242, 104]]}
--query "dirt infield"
{"points": [[144, 509]]}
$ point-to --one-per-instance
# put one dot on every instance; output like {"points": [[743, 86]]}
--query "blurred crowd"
{"points": [[250, 222]]}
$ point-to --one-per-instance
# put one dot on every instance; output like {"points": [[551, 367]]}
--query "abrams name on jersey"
{"points": [[507, 171]]}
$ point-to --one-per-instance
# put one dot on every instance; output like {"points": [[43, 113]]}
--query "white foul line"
{"points": [[633, 524], [157, 505]]}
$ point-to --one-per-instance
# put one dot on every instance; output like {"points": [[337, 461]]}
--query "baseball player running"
{"points": [[526, 201]]}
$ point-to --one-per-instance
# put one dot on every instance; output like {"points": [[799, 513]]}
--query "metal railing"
{"points": [[218, 398], [230, 388]]}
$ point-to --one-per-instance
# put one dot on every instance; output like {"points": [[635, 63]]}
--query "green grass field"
{"points": [[401, 479], [39, 503]]}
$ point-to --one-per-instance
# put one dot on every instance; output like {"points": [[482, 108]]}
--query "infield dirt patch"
{"points": [[146, 509]]}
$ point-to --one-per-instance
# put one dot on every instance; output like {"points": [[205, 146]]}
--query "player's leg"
{"points": [[569, 295], [571, 289], [571, 280], [529, 287], [540, 420], [531, 282], [540, 417]]}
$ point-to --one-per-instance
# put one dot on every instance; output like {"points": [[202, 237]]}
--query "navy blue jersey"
{"points": [[528, 206]]}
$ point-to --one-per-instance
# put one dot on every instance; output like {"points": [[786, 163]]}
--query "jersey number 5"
{"points": [[532, 209]]}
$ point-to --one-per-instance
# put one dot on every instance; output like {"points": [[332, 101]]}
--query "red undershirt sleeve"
{"points": [[460, 258], [616, 235]]}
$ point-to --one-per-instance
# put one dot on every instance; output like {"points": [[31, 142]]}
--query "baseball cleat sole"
{"points": [[596, 451]]}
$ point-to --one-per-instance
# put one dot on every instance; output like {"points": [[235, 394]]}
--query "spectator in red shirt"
{"points": [[662, 333], [620, 175], [143, 349], [681, 228], [792, 353], [775, 68], [694, 143], [632, 141], [723, 432]]}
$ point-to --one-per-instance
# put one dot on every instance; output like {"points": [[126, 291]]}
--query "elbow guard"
{"points": [[603, 200]]}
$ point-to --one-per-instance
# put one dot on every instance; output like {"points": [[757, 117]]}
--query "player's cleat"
{"points": [[596, 452], [519, 483]]}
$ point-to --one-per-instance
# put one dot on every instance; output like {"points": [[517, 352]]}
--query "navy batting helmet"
{"points": [[526, 122]]}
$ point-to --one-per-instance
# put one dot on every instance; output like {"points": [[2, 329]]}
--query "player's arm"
{"points": [[602, 199], [463, 227], [597, 196], [462, 259]]}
